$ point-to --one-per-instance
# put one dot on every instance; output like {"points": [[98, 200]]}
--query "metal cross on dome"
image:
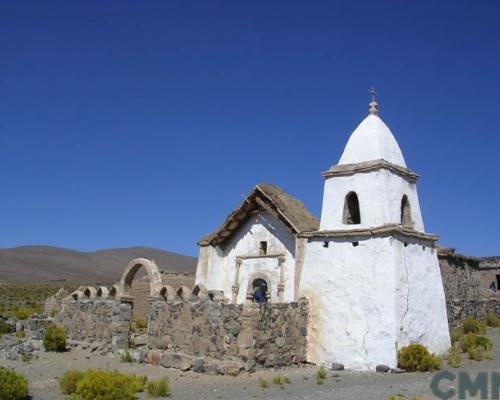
{"points": [[373, 104]]}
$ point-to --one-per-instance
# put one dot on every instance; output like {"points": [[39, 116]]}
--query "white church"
{"points": [[368, 268]]}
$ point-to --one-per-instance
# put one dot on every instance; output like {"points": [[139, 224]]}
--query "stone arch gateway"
{"points": [[129, 274]]}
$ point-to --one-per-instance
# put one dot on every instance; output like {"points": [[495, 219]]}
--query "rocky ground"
{"points": [[43, 372]]}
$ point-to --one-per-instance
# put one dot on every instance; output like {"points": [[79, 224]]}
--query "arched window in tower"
{"points": [[351, 209], [406, 219]]}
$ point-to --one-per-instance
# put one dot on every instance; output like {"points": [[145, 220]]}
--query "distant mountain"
{"points": [[43, 263]]}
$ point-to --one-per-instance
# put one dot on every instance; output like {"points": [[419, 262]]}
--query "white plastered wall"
{"points": [[352, 297], [379, 194], [420, 301], [368, 301], [245, 242]]}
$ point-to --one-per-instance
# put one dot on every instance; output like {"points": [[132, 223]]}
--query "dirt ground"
{"points": [[42, 375]]}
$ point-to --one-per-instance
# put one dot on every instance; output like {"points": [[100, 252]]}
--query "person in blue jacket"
{"points": [[259, 294]]}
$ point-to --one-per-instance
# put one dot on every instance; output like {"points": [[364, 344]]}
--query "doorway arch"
{"points": [[129, 274], [253, 283]]}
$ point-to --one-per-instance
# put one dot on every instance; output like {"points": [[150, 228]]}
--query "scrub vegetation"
{"points": [[416, 358]]}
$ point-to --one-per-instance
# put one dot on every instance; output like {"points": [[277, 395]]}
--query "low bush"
{"points": [[54, 338], [321, 375], [13, 386], [108, 385], [477, 347], [456, 334], [20, 334], [138, 324], [52, 313], [5, 327], [454, 357], [472, 325], [69, 381], [416, 357], [25, 313], [126, 356], [281, 380], [492, 320], [263, 383], [159, 388]]}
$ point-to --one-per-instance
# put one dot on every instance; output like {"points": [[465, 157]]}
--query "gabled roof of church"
{"points": [[271, 198]]}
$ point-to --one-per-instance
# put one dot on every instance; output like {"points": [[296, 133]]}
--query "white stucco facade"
{"points": [[369, 300], [352, 302], [379, 192], [245, 244]]}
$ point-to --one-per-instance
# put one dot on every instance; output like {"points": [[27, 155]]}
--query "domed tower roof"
{"points": [[372, 140]]}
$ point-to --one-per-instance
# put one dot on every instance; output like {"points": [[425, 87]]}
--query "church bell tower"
{"points": [[371, 271]]}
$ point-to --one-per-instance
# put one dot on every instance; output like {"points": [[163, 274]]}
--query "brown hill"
{"points": [[45, 263]]}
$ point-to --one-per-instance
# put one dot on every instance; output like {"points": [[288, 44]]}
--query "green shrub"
{"points": [[20, 334], [52, 313], [416, 357], [281, 380], [54, 338], [126, 356], [456, 335], [108, 385], [138, 382], [159, 388], [479, 354], [321, 375], [472, 325], [69, 380], [454, 357], [492, 320], [477, 347], [13, 386], [138, 324], [25, 313], [263, 383], [5, 327]]}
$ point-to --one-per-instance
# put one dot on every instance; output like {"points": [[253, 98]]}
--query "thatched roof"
{"points": [[267, 197]]}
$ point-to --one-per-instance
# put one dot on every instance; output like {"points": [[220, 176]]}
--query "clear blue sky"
{"points": [[145, 123]]}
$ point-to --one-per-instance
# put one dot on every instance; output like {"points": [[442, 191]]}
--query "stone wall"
{"points": [[140, 290], [461, 277], [106, 321], [271, 336], [459, 310], [467, 278], [53, 303], [193, 326], [466, 282]]}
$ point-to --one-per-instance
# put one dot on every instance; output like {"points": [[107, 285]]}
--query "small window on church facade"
{"points": [[263, 248], [352, 215], [406, 219]]}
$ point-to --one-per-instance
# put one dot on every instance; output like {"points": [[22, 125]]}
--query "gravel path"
{"points": [[345, 385]]}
